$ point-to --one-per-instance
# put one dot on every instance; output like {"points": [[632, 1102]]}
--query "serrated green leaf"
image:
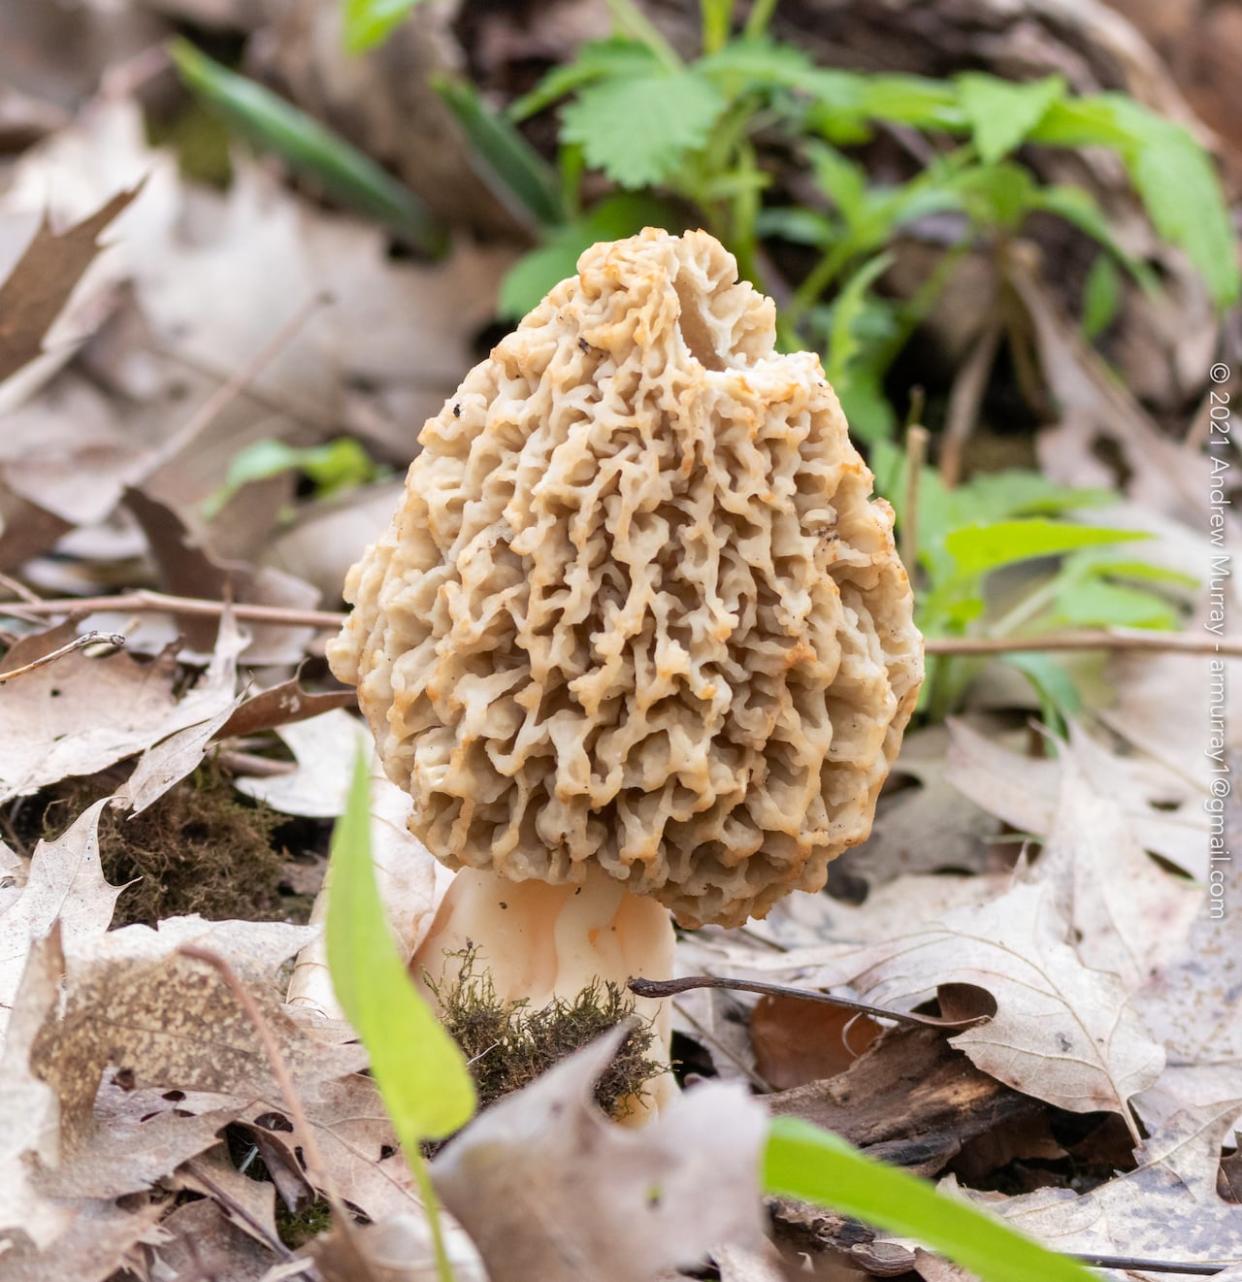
{"points": [[309, 147], [843, 339], [1001, 113], [419, 1069], [597, 60], [802, 1161], [512, 168], [637, 130], [978, 549], [1171, 171], [533, 275], [759, 63], [370, 22]]}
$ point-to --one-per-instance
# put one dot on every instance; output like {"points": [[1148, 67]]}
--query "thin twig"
{"points": [[965, 400], [668, 987], [236, 1208], [316, 1167], [144, 601], [237, 382], [916, 453], [756, 1078], [17, 587], [1151, 642], [1136, 1264], [78, 643]]}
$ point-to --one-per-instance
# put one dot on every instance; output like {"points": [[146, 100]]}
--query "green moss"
{"points": [[296, 1228], [507, 1044], [198, 849]]}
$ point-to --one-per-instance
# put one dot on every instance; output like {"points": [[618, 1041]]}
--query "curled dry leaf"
{"points": [[323, 748], [547, 1187]]}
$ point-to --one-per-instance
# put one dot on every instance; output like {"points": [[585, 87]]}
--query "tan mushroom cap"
{"points": [[638, 606]]}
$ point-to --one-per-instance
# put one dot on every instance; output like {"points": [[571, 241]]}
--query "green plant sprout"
{"points": [[419, 1069], [997, 521]]}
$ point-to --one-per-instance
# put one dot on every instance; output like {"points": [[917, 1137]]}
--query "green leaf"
{"points": [[637, 130], [1101, 296], [533, 275], [514, 170], [1059, 699], [805, 1162], [333, 466], [419, 1069], [992, 496], [842, 180], [977, 549], [795, 224], [758, 63], [1094, 604], [1171, 171], [370, 22], [1001, 113], [309, 147], [843, 339], [598, 60]]}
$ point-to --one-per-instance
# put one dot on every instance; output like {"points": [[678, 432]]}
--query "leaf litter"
{"points": [[141, 1126]]}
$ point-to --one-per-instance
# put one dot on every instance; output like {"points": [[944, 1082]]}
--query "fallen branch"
{"points": [[670, 987], [1136, 1264], [145, 602], [78, 643]]}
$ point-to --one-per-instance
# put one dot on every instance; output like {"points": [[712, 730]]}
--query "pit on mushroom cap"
{"points": [[638, 627]]}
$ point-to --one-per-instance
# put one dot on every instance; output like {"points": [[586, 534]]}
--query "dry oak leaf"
{"points": [[45, 276], [78, 715], [1160, 805], [1062, 1032], [1194, 1005], [1128, 915], [548, 1188], [1167, 1208], [65, 883]]}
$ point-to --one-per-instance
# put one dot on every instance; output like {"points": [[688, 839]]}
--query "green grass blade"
{"points": [[419, 1069], [310, 148], [514, 170], [805, 1162], [370, 22]]}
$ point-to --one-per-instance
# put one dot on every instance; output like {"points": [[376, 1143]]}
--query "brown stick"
{"points": [[317, 1168], [78, 643], [669, 987], [144, 601], [1151, 642], [1136, 1264], [916, 453]]}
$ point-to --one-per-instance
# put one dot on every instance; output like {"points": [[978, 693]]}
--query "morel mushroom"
{"points": [[638, 639]]}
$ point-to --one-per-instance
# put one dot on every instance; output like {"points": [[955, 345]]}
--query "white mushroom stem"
{"points": [[540, 942]]}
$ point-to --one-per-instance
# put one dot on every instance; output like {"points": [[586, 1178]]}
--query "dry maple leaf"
{"points": [[551, 1191]]}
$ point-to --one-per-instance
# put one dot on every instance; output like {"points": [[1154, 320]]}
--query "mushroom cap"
{"points": [[637, 606]]}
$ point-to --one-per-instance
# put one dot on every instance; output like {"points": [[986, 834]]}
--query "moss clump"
{"points": [[507, 1044], [198, 849], [296, 1228]]}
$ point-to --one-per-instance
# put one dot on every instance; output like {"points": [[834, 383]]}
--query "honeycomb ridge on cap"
{"points": [[637, 605]]}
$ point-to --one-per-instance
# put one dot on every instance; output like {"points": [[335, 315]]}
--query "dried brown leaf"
{"points": [[45, 276], [525, 1179]]}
